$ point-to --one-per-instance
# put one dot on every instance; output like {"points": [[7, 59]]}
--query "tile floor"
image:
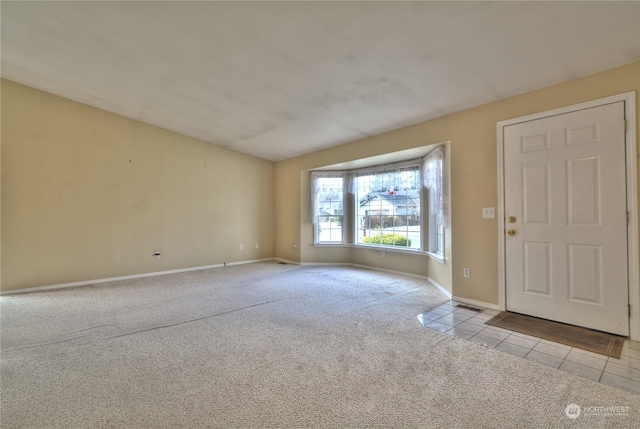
{"points": [[623, 373]]}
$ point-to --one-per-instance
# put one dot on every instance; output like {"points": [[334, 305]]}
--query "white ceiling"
{"points": [[282, 79]]}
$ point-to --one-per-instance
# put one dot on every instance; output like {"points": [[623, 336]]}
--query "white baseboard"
{"points": [[250, 261], [287, 261], [134, 276], [440, 287], [385, 270], [350, 264], [206, 267], [325, 264], [476, 303], [369, 267]]}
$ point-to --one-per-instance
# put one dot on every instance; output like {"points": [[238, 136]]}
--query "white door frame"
{"points": [[629, 100]]}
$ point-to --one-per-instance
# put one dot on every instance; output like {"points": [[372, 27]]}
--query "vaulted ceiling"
{"points": [[282, 79]]}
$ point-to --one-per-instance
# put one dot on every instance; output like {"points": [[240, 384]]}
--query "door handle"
{"points": [[511, 232], [511, 219]]}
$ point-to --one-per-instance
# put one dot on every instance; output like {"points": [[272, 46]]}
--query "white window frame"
{"points": [[435, 184], [435, 250], [436, 238], [315, 176], [387, 169]]}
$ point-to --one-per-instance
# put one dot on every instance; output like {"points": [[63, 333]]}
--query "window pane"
{"points": [[328, 194], [388, 208], [434, 178]]}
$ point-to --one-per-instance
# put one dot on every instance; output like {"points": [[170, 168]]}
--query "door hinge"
{"points": [[625, 126], [627, 217], [629, 310]]}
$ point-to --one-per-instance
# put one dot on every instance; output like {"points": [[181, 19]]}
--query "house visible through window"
{"points": [[384, 205], [388, 206]]}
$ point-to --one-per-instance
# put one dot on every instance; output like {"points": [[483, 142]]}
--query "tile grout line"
{"points": [[603, 368]]}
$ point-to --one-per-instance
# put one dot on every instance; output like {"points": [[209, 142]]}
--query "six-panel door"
{"points": [[565, 186]]}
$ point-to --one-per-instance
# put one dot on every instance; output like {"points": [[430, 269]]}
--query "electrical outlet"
{"points": [[257, 245], [383, 254], [242, 247], [466, 272]]}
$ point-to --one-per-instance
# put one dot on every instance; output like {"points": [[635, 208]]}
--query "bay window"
{"points": [[382, 206]]}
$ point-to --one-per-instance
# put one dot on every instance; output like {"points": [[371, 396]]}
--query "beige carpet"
{"points": [[266, 346]]}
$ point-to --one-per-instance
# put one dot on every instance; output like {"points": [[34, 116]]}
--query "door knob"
{"points": [[511, 219], [511, 232]]}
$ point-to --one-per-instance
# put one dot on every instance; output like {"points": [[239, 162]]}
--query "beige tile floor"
{"points": [[623, 373]]}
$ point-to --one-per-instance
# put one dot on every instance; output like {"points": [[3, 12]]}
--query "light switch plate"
{"points": [[488, 213]]}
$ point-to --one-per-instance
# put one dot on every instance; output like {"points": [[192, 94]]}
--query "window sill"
{"points": [[331, 245], [436, 257]]}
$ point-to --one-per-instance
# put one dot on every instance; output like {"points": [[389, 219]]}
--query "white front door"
{"points": [[565, 206]]}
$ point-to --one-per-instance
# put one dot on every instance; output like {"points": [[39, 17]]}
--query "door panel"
{"points": [[583, 192], [536, 192], [585, 273], [565, 185], [537, 268]]}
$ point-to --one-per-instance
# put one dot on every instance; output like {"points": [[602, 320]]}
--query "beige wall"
{"points": [[87, 194], [472, 133]]}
